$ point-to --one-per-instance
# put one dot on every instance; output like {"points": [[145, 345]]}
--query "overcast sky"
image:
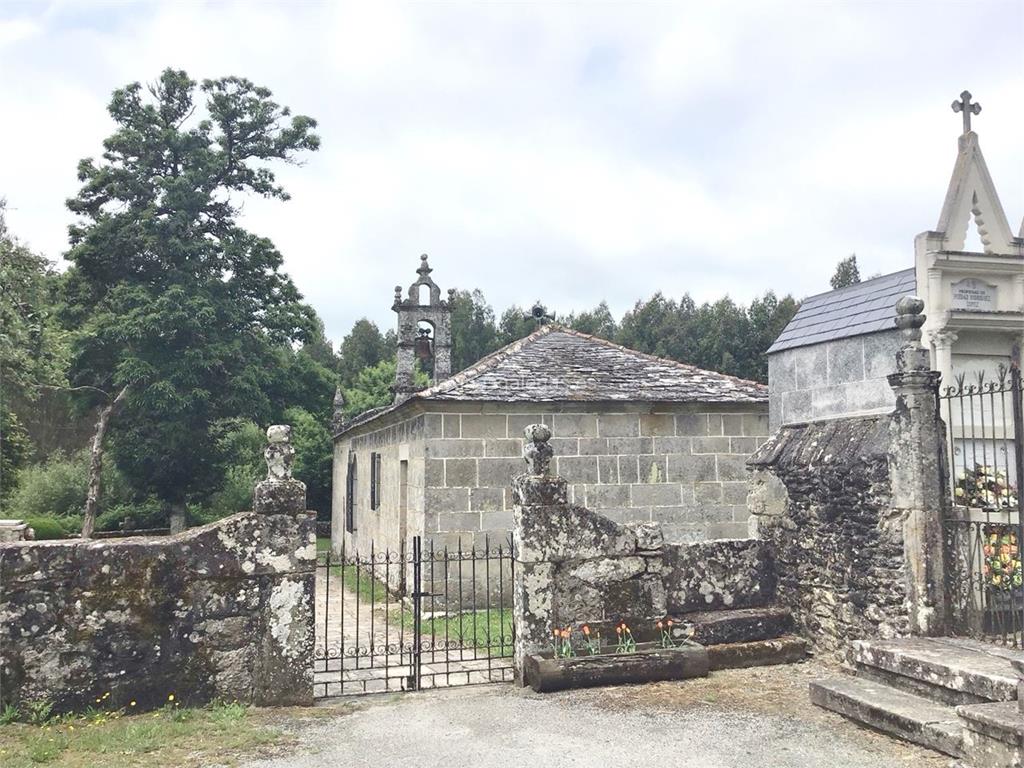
{"points": [[562, 152]]}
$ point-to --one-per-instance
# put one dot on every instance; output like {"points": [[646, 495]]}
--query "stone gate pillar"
{"points": [[283, 669], [917, 457], [536, 496]]}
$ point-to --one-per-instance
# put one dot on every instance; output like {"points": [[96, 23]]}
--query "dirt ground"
{"points": [[731, 718]]}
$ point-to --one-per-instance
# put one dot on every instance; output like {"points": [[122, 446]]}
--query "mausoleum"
{"points": [[833, 357]]}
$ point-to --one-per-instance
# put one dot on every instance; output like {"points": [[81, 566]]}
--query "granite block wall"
{"points": [[682, 467], [845, 377]]}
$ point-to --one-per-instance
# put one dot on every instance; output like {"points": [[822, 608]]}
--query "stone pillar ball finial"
{"points": [[909, 317], [279, 452], [536, 452], [911, 356]]}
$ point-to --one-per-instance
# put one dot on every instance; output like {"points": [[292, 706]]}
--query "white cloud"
{"points": [[563, 152]]}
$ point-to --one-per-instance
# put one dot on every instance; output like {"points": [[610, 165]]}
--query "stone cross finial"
{"points": [[338, 414], [536, 451], [911, 356], [279, 452], [964, 105]]}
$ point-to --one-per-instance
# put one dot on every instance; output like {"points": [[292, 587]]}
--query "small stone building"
{"points": [[637, 437]]}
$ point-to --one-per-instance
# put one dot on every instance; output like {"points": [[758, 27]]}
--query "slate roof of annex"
{"points": [[866, 307], [557, 364]]}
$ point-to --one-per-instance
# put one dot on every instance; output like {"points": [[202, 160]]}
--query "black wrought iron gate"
{"points": [[426, 617], [984, 579]]}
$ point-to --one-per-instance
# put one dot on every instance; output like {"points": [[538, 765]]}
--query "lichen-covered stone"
{"points": [[838, 550], [575, 566], [221, 611], [727, 573]]}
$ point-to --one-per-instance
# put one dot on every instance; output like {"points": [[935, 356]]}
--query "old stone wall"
{"points": [[838, 547], [576, 566], [681, 466], [856, 527], [844, 377], [224, 611]]}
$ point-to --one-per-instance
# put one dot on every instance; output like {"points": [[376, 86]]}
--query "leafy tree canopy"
{"points": [[364, 347], [474, 333], [846, 273], [597, 322], [33, 347], [178, 307]]}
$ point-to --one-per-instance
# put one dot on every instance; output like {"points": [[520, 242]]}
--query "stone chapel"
{"points": [[639, 438]]}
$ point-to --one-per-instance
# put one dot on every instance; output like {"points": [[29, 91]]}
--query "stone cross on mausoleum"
{"points": [[964, 105]]}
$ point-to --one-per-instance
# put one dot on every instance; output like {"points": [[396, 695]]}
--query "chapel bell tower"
{"points": [[424, 332]]}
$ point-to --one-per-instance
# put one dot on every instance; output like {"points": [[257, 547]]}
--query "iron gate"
{"points": [[427, 617], [984, 580]]}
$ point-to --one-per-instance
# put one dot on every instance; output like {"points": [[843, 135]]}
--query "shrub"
{"points": [[145, 513], [57, 487], [47, 528]]}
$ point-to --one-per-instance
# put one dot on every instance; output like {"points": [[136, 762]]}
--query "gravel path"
{"points": [[758, 718]]}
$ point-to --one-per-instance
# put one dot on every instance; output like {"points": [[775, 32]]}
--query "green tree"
{"points": [[364, 347], [474, 333], [768, 316], [33, 348], [651, 327], [515, 323], [314, 456], [846, 273], [372, 388], [177, 303], [597, 322]]}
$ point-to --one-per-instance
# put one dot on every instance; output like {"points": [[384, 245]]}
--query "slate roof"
{"points": [[866, 307], [557, 364]]}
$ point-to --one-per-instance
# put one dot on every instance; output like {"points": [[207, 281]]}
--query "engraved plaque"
{"points": [[974, 295]]}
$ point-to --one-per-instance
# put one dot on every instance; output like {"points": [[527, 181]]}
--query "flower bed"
{"points": [[579, 659], [1002, 558], [647, 663]]}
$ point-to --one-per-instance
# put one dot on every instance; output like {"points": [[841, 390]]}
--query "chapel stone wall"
{"points": [[682, 467]]}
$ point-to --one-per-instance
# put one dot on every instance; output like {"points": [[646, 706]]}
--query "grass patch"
{"points": [[358, 579], [481, 629], [170, 736]]}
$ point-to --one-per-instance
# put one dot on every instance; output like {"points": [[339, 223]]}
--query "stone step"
{"points": [[993, 734], [893, 711], [741, 625], [946, 672], [759, 653]]}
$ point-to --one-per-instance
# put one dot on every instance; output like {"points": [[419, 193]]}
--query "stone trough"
{"points": [[650, 663]]}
